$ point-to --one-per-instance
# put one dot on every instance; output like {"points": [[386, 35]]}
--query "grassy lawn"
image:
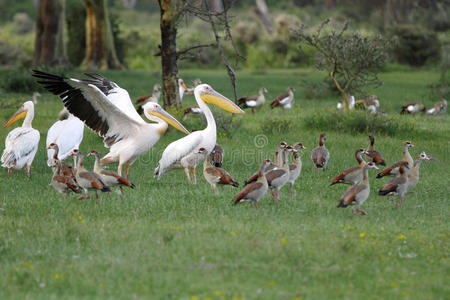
{"points": [[171, 240]]}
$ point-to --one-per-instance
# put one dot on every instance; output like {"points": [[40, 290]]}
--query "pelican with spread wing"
{"points": [[205, 138], [107, 109]]}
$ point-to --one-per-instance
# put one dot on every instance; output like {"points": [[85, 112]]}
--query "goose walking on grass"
{"points": [[205, 138], [295, 168], [153, 97], [63, 183], [107, 109], [256, 190], [320, 155], [285, 100], [64, 168], [397, 186], [357, 194], [439, 108], [253, 101], [217, 155], [88, 180], [278, 163], [413, 108], [393, 170], [110, 178], [215, 175], [413, 175], [374, 155], [352, 175], [21, 143], [277, 178]]}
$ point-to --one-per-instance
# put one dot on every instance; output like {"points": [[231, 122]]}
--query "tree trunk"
{"points": [[170, 13], [49, 44], [264, 17], [100, 49]]}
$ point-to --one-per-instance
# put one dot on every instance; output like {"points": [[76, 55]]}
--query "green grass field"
{"points": [[171, 240]]}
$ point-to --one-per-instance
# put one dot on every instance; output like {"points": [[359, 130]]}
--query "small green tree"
{"points": [[351, 60]]}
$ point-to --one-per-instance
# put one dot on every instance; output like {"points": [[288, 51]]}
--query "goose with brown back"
{"points": [[215, 175], [393, 170], [397, 186], [352, 175], [374, 155], [357, 194], [285, 100], [253, 101], [277, 178], [295, 168], [320, 155]]}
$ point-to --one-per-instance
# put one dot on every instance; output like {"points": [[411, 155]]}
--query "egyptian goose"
{"points": [[393, 169], [65, 168], [370, 104], [357, 194], [256, 190], [439, 108], [253, 101], [413, 175], [376, 156], [194, 110], [285, 100], [350, 101], [272, 165], [295, 168], [88, 180], [110, 178], [191, 161], [412, 108], [320, 155], [277, 178], [63, 184], [21, 143], [153, 97], [217, 155], [398, 185], [216, 175], [352, 175]]}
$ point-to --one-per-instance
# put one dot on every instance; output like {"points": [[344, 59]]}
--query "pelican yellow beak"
{"points": [[162, 114], [213, 97], [184, 86], [20, 114]]}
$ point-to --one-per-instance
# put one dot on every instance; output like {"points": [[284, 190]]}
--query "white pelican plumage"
{"points": [[205, 138], [67, 134], [21, 144], [107, 109]]}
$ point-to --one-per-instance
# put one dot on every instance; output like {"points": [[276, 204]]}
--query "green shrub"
{"points": [[19, 80], [359, 122], [277, 125], [415, 45]]}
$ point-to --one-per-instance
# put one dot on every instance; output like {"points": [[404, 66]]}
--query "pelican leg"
{"points": [[119, 169], [29, 171], [291, 191], [9, 172], [127, 169], [74, 164], [194, 177], [186, 171]]}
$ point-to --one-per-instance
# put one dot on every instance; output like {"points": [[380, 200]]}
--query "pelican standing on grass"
{"points": [[205, 138], [22, 143], [67, 134], [107, 110]]}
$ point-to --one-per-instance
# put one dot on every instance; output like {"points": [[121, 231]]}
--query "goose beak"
{"points": [[20, 114], [213, 97], [162, 114]]}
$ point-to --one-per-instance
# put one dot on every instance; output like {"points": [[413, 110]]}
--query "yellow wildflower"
{"points": [[401, 237], [284, 241], [405, 293], [217, 293], [362, 234], [272, 283], [395, 284]]}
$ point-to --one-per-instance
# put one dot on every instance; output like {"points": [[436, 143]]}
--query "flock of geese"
{"points": [[107, 109]]}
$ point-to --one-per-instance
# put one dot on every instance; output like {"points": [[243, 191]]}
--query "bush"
{"points": [[277, 125], [359, 122], [415, 45]]}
